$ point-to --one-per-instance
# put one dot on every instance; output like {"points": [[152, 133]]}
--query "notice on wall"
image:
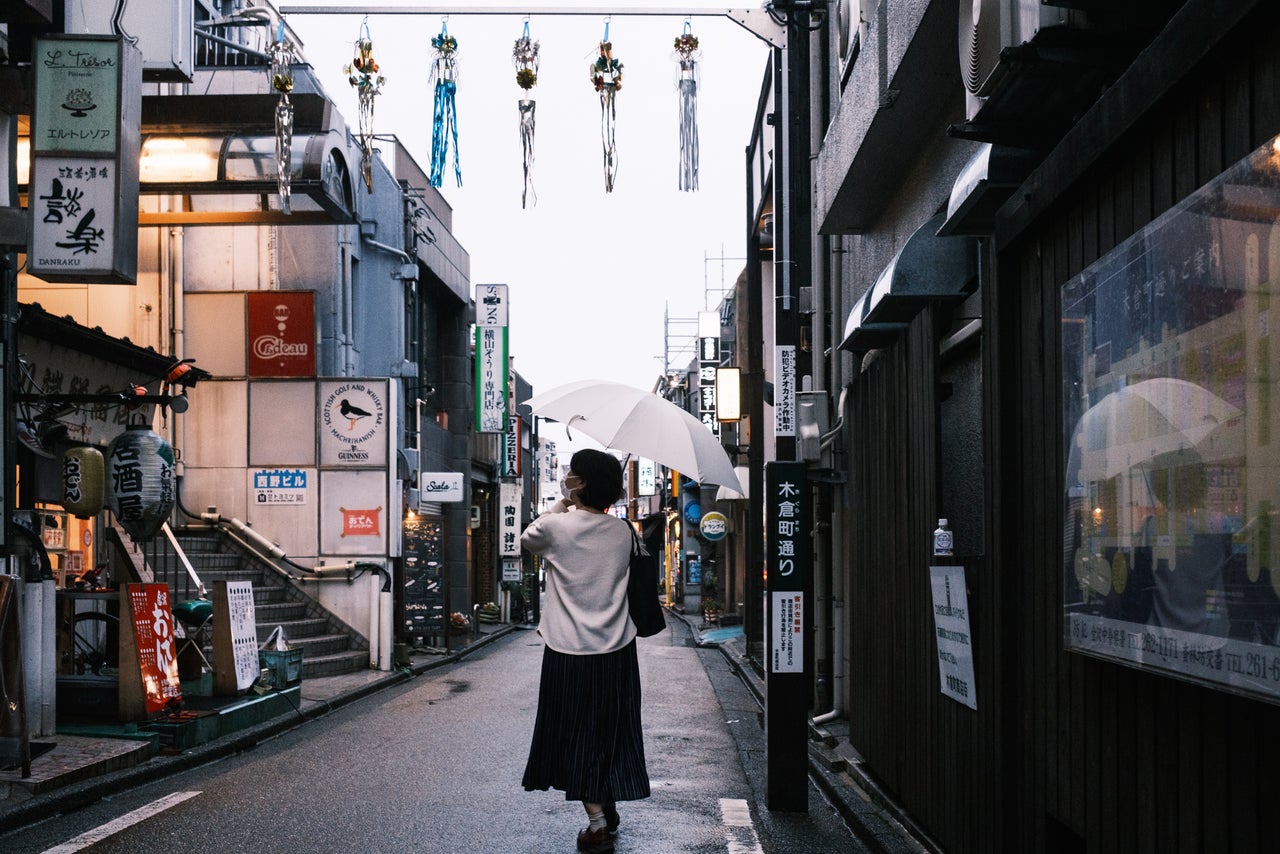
{"points": [[951, 630], [244, 631], [787, 627]]}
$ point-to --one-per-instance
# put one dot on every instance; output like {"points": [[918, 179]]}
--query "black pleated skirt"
{"points": [[587, 739]]}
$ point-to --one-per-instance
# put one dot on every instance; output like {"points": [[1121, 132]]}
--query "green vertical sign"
{"points": [[77, 108]]}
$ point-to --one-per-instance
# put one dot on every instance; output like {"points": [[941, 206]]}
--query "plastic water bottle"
{"points": [[943, 540]]}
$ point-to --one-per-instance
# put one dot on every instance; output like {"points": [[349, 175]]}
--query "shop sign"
{"points": [[353, 423], [153, 630], [279, 486], [361, 522], [242, 631], [646, 477], [491, 379], [708, 361], [511, 497], [951, 631], [83, 192], [511, 450], [491, 305], [281, 326], [439, 486], [714, 526]]}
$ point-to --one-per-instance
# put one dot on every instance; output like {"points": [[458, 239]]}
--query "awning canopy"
{"points": [[986, 182], [927, 269], [217, 153]]}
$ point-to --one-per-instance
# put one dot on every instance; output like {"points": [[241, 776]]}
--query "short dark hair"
{"points": [[602, 477]]}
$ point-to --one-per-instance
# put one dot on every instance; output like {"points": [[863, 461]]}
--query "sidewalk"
{"points": [[81, 769], [877, 819]]}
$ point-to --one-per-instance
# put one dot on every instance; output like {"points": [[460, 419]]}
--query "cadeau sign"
{"points": [[282, 332]]}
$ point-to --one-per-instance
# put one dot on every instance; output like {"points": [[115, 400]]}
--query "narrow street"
{"points": [[434, 764]]}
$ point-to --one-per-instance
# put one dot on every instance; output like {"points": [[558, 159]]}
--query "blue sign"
{"points": [[693, 512], [695, 572]]}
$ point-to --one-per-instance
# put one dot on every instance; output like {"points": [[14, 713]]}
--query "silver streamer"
{"points": [[282, 57], [687, 54], [526, 147]]}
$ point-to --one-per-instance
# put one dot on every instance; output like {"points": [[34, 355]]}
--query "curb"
{"points": [[77, 795]]}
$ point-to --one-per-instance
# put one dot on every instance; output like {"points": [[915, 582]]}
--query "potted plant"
{"points": [[488, 613], [459, 623], [712, 609]]}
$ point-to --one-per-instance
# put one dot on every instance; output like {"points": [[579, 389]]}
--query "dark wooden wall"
{"points": [[1104, 757], [932, 753]]}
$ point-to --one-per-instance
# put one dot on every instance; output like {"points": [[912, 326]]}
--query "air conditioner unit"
{"points": [[989, 27]]}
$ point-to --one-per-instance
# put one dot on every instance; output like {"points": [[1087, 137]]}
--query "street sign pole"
{"points": [[788, 559]]}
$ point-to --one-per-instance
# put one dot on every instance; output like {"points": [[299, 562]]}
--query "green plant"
{"points": [[712, 606]]}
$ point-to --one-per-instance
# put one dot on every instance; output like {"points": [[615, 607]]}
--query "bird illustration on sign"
{"points": [[352, 413]]}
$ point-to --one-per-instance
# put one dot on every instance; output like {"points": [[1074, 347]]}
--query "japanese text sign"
{"points": [[491, 379], [509, 522], [788, 521], [77, 96], [784, 390], [951, 630], [157, 645]]}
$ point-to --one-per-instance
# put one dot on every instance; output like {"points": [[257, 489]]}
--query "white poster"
{"points": [[353, 423], [787, 625], [244, 631], [784, 390], [951, 629]]}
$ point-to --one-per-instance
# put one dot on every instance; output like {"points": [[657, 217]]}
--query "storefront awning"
{"points": [[861, 335], [986, 182], [927, 269], [217, 154]]}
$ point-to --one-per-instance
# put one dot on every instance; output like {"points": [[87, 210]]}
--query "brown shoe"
{"points": [[596, 841], [611, 818]]}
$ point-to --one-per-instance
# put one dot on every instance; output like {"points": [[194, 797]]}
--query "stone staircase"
{"points": [[329, 647]]}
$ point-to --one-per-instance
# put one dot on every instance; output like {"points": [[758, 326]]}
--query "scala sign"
{"points": [[714, 526], [439, 486]]}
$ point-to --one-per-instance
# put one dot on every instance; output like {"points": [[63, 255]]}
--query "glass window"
{"points": [[1170, 561]]}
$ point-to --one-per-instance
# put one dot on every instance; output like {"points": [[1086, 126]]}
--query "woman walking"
{"points": [[587, 740]]}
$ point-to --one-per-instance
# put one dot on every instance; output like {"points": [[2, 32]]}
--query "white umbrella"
{"points": [[1152, 420], [639, 422]]}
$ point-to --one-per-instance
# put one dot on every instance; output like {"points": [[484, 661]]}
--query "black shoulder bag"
{"points": [[642, 591]]}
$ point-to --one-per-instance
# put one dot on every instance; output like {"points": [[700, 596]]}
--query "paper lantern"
{"points": [[140, 481], [82, 482]]}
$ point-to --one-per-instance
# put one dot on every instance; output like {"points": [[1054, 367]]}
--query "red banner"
{"points": [[282, 334], [157, 646]]}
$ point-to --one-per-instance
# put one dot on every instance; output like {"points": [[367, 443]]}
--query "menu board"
{"points": [[423, 555], [235, 636]]}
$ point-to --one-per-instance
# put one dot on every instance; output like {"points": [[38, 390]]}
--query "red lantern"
{"points": [[140, 481], [82, 481]]}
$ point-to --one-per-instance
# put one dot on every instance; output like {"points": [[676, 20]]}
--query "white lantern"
{"points": [[140, 481]]}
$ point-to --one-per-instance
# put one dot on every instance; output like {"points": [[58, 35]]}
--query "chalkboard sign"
{"points": [[423, 554]]}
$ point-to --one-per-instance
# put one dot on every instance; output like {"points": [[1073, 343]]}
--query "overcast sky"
{"points": [[590, 273]]}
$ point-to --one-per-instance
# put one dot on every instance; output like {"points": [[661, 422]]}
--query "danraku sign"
{"points": [[84, 160]]}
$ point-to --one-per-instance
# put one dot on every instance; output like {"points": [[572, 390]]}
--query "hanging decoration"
{"points": [[82, 481], [688, 54], [444, 71], [282, 56], [525, 57], [363, 74], [606, 76], [139, 481]]}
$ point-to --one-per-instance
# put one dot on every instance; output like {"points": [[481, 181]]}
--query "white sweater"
{"points": [[586, 556]]}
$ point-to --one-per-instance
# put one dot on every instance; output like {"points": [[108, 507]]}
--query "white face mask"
{"points": [[564, 488]]}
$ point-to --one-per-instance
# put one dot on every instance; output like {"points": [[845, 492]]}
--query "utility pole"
{"points": [[788, 502]]}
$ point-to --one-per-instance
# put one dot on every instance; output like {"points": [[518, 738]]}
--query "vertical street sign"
{"points": [[509, 524], [788, 564], [84, 164], [492, 365], [708, 361]]}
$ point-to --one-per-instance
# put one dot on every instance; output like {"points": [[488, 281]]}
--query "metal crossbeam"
{"points": [[758, 22]]}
